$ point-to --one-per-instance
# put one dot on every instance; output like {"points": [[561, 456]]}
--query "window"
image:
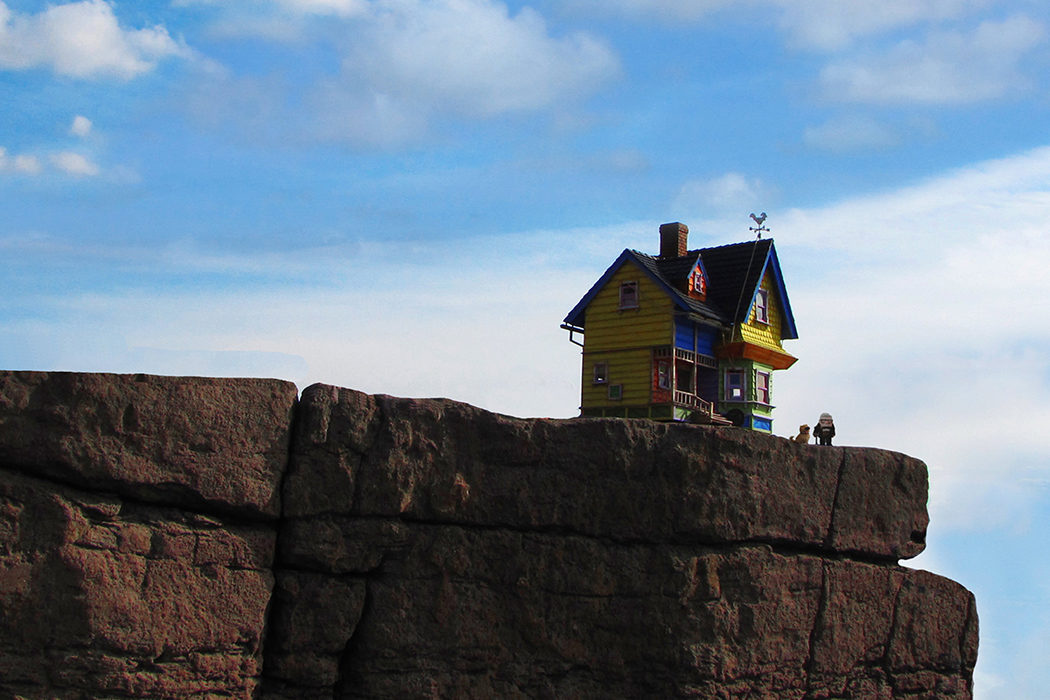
{"points": [[629, 295], [762, 387], [601, 372], [616, 392], [699, 284], [734, 385], [762, 306], [663, 374]]}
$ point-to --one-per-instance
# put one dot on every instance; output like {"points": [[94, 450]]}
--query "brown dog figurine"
{"points": [[803, 434]]}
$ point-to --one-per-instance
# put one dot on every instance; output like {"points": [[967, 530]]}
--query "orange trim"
{"points": [[777, 359]]}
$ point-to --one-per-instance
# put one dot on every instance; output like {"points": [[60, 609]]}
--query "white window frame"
{"points": [[762, 306], [759, 376], [629, 299], [615, 392]]}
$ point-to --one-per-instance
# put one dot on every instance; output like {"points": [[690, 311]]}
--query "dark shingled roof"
{"points": [[734, 269], [674, 271], [734, 272]]}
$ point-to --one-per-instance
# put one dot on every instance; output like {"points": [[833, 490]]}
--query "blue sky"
{"points": [[407, 196]]}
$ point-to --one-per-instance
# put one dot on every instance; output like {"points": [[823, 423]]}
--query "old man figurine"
{"points": [[825, 429]]}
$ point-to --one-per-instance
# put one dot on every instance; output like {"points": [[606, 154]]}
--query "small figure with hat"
{"points": [[825, 429]]}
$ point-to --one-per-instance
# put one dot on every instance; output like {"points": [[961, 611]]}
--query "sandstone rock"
{"points": [[101, 597], [464, 612], [314, 618], [502, 557], [426, 549], [198, 442], [630, 480]]}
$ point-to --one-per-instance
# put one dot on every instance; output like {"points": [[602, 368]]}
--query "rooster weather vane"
{"points": [[760, 219]]}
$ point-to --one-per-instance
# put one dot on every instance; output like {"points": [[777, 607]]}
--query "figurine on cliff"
{"points": [[825, 429]]}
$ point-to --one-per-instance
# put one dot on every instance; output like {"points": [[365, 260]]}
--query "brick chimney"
{"points": [[673, 240]]}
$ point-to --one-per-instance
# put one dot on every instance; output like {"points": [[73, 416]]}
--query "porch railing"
{"points": [[684, 398]]}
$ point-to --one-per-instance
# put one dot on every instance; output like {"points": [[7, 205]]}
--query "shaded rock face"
{"points": [[137, 532], [193, 537]]}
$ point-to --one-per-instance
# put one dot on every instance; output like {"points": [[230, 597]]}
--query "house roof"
{"points": [[734, 273], [673, 273]]}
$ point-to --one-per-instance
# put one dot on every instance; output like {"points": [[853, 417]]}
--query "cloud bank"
{"points": [[81, 40], [404, 66]]}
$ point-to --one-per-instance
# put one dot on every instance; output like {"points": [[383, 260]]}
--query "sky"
{"points": [[408, 196]]}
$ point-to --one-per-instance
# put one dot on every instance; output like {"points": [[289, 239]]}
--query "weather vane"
{"points": [[760, 220]]}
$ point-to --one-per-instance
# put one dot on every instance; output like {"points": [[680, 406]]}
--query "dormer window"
{"points": [[697, 284], [629, 295], [762, 306]]}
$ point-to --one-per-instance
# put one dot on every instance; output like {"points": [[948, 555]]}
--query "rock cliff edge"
{"points": [[197, 537]]}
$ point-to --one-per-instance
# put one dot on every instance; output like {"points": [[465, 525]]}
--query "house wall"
{"points": [[630, 368], [766, 334], [698, 338], [624, 339], [609, 328]]}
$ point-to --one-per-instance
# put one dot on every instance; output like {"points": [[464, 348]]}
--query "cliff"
{"points": [[196, 537]]}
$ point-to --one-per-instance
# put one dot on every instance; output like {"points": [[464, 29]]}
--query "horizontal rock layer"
{"points": [[196, 537], [195, 442], [628, 480]]}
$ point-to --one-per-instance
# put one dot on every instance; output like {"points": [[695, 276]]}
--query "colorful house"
{"points": [[686, 335]]}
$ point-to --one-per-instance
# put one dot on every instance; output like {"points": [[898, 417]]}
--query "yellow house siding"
{"points": [[631, 368], [610, 328], [765, 334]]}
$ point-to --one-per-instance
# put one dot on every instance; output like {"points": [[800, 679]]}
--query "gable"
{"points": [[773, 279], [736, 274], [617, 320], [764, 325], [697, 282], [577, 317]]}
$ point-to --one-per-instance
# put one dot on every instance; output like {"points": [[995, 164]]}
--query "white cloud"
{"points": [[948, 67], [27, 164], [406, 65], [1008, 196], [339, 8], [473, 57], [73, 163], [81, 40], [81, 126], [732, 192], [373, 119], [824, 25], [850, 133], [21, 163], [831, 25], [285, 21]]}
